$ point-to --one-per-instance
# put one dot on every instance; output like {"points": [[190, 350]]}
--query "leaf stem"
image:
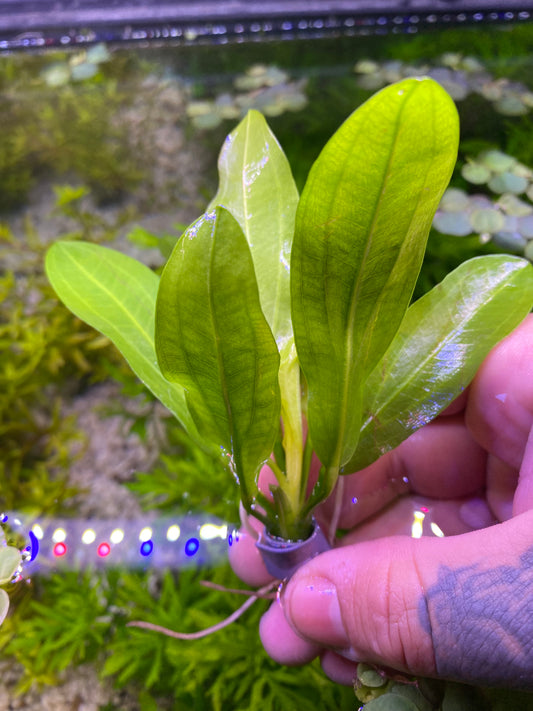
{"points": [[278, 472]]}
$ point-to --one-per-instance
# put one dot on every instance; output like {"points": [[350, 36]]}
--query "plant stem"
{"points": [[278, 472]]}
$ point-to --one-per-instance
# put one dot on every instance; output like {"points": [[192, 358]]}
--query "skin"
{"points": [[456, 607]]}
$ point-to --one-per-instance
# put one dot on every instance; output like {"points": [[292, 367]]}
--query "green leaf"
{"points": [[4, 605], [391, 702], [443, 339], [361, 229], [257, 187], [213, 339], [9, 562], [116, 295]]}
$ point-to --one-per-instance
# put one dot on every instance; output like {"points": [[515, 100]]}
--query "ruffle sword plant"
{"points": [[282, 325]]}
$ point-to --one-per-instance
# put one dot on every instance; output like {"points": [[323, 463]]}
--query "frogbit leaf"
{"points": [[213, 339], [257, 187], [361, 230], [4, 605], [439, 347], [9, 562], [116, 294]]}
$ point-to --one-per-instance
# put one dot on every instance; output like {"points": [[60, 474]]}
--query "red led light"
{"points": [[103, 550], [59, 549]]}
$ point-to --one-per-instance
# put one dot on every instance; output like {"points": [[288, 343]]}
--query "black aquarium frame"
{"points": [[27, 24]]}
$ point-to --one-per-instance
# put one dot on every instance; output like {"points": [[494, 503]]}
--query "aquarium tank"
{"points": [[122, 126]]}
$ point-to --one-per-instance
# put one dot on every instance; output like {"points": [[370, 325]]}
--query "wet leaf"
{"points": [[257, 187], [510, 241], [512, 205], [116, 295], [391, 702], [4, 605], [361, 230], [9, 562], [487, 220], [508, 183], [496, 160], [213, 339], [454, 200], [476, 173], [453, 223], [442, 341]]}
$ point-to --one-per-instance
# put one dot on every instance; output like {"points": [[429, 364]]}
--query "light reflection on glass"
{"points": [[418, 524], [437, 530]]}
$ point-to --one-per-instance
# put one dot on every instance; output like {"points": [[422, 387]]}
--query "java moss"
{"points": [[45, 355]]}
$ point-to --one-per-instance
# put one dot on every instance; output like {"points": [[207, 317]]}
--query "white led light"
{"points": [[116, 536], [38, 531], [173, 532], [208, 531], [145, 534], [88, 536], [59, 535]]}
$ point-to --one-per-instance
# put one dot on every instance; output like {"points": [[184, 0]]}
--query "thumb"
{"points": [[458, 608]]}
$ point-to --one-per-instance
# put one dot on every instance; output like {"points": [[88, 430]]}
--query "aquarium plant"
{"points": [[282, 326], [507, 218], [10, 560]]}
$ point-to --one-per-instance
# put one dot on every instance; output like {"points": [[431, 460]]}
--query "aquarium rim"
{"points": [[38, 24]]}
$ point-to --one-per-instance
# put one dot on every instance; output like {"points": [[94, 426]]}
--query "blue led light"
{"points": [[192, 546], [146, 548], [34, 545]]}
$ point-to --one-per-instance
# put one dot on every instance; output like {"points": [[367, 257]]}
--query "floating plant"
{"points": [[264, 88], [506, 220], [461, 75], [10, 559], [44, 544], [79, 67]]}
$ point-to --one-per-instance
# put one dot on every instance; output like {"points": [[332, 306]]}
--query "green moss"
{"points": [[45, 355]]}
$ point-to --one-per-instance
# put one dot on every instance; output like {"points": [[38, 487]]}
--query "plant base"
{"points": [[282, 558]]}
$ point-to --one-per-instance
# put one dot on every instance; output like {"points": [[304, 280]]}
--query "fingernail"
{"points": [[311, 606]]}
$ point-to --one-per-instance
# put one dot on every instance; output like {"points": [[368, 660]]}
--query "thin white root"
{"points": [[250, 593], [209, 630]]}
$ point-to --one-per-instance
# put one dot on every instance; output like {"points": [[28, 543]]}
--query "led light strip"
{"points": [[48, 544], [219, 29]]}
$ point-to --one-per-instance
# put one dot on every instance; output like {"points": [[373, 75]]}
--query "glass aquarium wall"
{"points": [[119, 515]]}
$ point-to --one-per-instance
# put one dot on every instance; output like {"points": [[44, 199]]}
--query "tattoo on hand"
{"points": [[481, 623]]}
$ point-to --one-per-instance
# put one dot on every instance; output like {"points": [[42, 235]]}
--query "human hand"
{"points": [[457, 607]]}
